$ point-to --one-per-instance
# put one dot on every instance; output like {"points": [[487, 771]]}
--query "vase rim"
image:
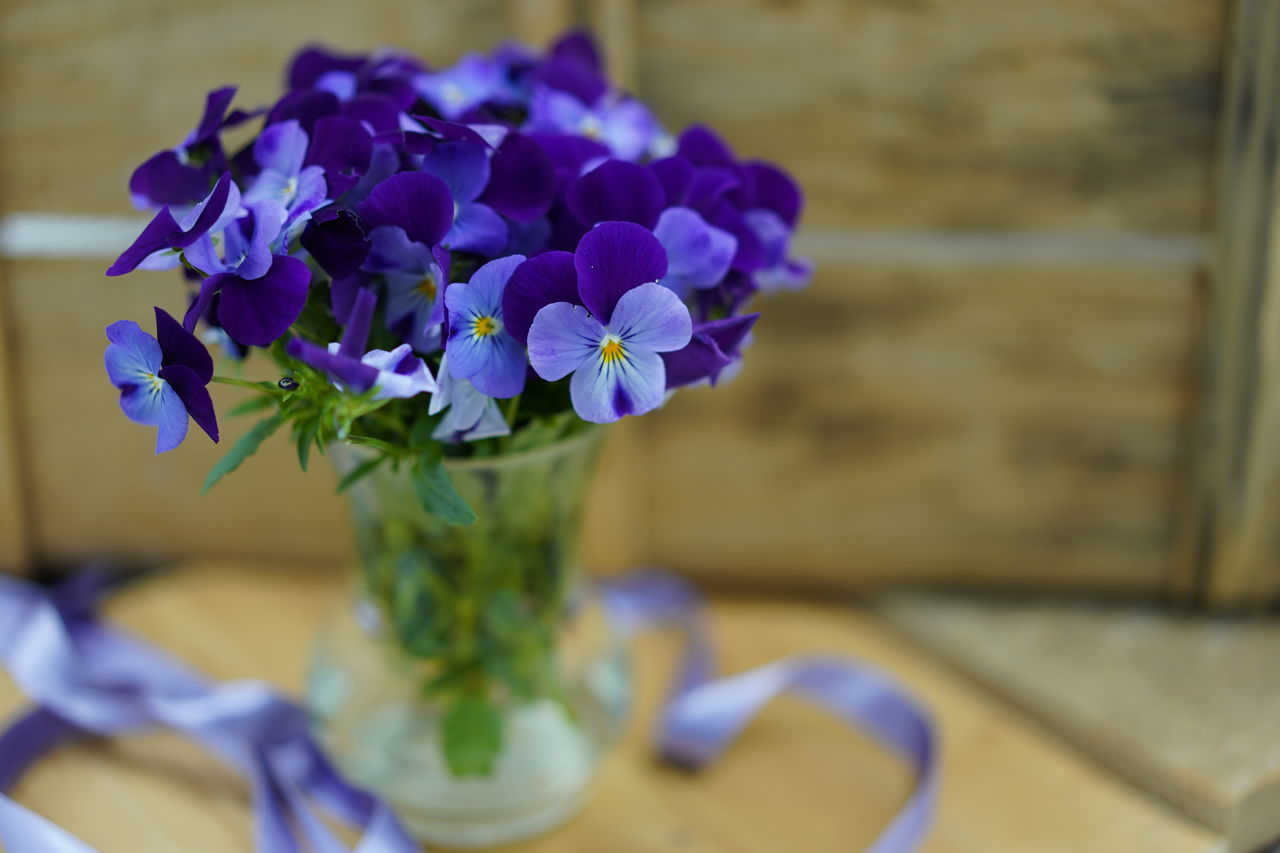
{"points": [[556, 448]]}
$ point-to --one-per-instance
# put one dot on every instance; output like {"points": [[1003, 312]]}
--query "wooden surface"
{"points": [[796, 781], [1187, 708], [972, 424], [15, 532], [1230, 548]]}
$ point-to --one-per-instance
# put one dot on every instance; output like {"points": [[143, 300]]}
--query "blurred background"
{"points": [[992, 380], [1041, 353]]}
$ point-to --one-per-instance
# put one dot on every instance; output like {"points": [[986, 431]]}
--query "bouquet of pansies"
{"points": [[438, 260]]}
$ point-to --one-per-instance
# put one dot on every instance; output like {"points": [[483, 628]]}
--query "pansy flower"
{"points": [[161, 243], [162, 379], [397, 373], [623, 124], [281, 151], [454, 91], [181, 175], [604, 318], [471, 415], [480, 347], [463, 166], [409, 214]]}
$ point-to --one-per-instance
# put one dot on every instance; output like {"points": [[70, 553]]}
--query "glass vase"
{"points": [[472, 679]]}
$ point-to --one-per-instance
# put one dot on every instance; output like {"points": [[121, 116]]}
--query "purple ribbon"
{"points": [[87, 679]]}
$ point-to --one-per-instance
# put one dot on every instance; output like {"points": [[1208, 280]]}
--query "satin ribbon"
{"points": [[86, 679]]}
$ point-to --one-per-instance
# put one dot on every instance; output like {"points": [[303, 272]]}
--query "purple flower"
{"points": [[463, 166], [480, 347], [778, 271], [713, 349], [395, 374], [625, 125], [162, 241], [471, 416], [162, 379], [608, 333], [475, 80], [280, 151], [698, 254], [181, 175]]}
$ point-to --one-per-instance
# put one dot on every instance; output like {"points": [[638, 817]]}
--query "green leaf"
{"points": [[253, 404], [242, 450], [351, 477], [437, 494], [472, 734], [372, 442], [306, 437]]}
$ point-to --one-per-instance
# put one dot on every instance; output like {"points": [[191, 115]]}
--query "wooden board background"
{"points": [[988, 382]]}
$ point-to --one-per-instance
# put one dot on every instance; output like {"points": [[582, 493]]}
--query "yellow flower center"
{"points": [[427, 287], [484, 326], [611, 350]]}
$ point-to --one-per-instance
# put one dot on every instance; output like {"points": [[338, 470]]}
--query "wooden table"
{"points": [[797, 781]]}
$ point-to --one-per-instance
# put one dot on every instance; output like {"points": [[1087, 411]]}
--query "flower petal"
{"points": [[343, 148], [653, 318], [701, 146], [350, 372], [131, 355], [612, 258], [259, 311], [478, 229], [631, 385], [617, 191], [195, 398], [775, 190], [282, 147], [521, 180], [415, 201], [179, 346], [538, 282], [698, 254], [336, 240], [490, 281], [562, 338], [462, 165]]}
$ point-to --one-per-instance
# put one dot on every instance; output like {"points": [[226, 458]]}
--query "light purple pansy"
{"points": [[625, 125], [480, 347], [471, 415], [162, 379], [475, 80], [698, 253], [606, 324], [281, 152]]}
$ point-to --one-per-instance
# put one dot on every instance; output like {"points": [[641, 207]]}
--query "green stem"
{"points": [[510, 411], [244, 383]]}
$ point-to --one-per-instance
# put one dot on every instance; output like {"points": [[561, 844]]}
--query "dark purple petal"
{"points": [[415, 201], [312, 63], [356, 376], [194, 395], [164, 179], [751, 254], [700, 359], [258, 312], [355, 337], [450, 131], [478, 229], [578, 79], [381, 112], [307, 106], [729, 332], [566, 151], [536, 283], [775, 190], [701, 146], [580, 47], [215, 107], [343, 148], [612, 258], [181, 347], [342, 295], [616, 191], [157, 236], [676, 176], [204, 298], [215, 208], [521, 179], [336, 240], [709, 184]]}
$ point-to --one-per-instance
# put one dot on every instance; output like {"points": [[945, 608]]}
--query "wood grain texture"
{"points": [[15, 532], [984, 114], [1230, 550], [1184, 707], [796, 781], [1002, 426], [139, 71], [98, 489]]}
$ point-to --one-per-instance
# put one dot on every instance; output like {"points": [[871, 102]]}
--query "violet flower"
{"points": [[161, 379], [181, 175], [480, 347], [161, 243], [280, 151], [471, 416], [475, 80], [610, 333], [395, 374], [463, 166], [625, 125]]}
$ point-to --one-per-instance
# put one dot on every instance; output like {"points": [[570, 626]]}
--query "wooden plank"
{"points": [[1228, 550], [539, 22], [15, 530], [987, 425], [142, 68], [1183, 707], [615, 23], [796, 781], [1037, 115]]}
